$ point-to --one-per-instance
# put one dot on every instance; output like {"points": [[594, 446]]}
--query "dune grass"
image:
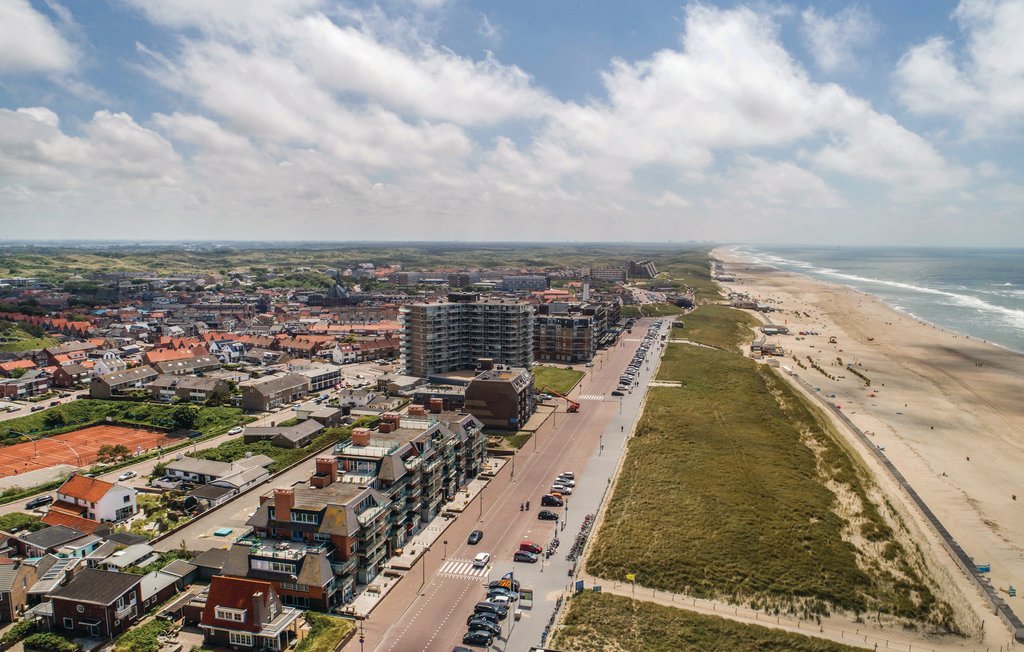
{"points": [[716, 325], [721, 495], [596, 622]]}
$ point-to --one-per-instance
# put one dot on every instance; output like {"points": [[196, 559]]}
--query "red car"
{"points": [[529, 546]]}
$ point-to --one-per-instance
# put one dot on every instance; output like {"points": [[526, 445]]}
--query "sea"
{"points": [[978, 292]]}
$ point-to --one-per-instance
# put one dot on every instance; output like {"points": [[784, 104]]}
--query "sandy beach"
{"points": [[945, 408]]}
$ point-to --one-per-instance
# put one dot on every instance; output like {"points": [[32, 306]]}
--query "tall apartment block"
{"points": [[454, 334]]}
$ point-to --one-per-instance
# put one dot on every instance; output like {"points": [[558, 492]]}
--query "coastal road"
{"points": [[430, 612]]}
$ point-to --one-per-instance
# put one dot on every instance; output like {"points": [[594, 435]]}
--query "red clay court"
{"points": [[77, 448]]}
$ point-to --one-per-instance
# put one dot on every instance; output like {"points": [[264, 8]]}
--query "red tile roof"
{"points": [[234, 593], [90, 489], [55, 517], [16, 364]]}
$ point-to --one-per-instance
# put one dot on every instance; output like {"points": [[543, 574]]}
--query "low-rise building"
{"points": [[271, 392], [120, 383], [247, 614], [240, 474], [502, 398], [95, 499], [320, 376], [194, 389], [297, 436], [97, 603], [15, 578], [188, 366]]}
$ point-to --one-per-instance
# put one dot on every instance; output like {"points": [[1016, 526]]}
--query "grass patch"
{"points": [[142, 638], [719, 326], [515, 440], [596, 622], [73, 415], [326, 633], [236, 449], [16, 337], [20, 521], [721, 495], [557, 378], [651, 310]]}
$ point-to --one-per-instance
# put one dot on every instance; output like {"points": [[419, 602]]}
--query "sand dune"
{"points": [[947, 408]]}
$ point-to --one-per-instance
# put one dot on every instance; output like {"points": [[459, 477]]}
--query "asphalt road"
{"points": [[428, 609]]}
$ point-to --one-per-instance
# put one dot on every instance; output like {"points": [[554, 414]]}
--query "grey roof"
{"points": [[9, 573], [297, 432], [126, 538], [128, 375], [165, 380], [96, 586], [106, 549], [206, 383], [187, 364], [129, 556], [314, 567], [51, 537], [153, 583], [53, 575], [212, 558], [178, 568], [241, 478], [273, 384], [210, 492]]}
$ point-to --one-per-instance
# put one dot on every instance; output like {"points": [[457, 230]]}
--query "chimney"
{"points": [[436, 405], [361, 436], [326, 472], [417, 410], [485, 364], [258, 610], [394, 418], [385, 427], [284, 500]]}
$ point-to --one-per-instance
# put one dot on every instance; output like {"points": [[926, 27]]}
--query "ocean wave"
{"points": [[1011, 316]]}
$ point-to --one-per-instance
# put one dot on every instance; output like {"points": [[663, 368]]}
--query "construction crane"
{"points": [[573, 406]]}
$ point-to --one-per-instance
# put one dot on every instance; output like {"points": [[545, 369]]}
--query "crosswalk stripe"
{"points": [[592, 397], [461, 568]]}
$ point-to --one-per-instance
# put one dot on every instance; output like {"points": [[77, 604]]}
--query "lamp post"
{"points": [[423, 560], [481, 503], [35, 448]]}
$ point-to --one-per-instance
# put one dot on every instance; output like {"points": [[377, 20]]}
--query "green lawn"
{"points": [[718, 326], [559, 379], [651, 310], [719, 496], [596, 622], [236, 449], [23, 337]]}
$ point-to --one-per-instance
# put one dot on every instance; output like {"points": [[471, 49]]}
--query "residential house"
{"points": [[109, 363], [195, 389], [71, 375], [120, 383], [97, 603], [7, 368], [272, 392], [46, 541], [139, 554], [239, 475], [32, 383], [15, 579], [297, 436], [156, 588], [75, 352], [188, 366], [245, 613], [321, 376], [95, 499]]}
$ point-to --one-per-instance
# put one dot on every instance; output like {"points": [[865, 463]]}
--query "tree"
{"points": [[19, 372], [185, 416], [53, 419], [105, 453]]}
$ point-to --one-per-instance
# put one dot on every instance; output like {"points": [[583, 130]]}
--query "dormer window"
{"points": [[233, 615]]}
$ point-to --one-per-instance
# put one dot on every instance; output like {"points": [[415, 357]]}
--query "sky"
{"points": [[828, 122]]}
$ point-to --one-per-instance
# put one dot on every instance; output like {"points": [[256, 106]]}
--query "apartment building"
{"points": [[418, 461], [564, 338], [525, 283], [501, 398], [273, 391], [453, 334], [321, 376], [120, 383]]}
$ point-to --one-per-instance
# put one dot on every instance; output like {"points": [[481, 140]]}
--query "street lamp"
{"points": [[445, 555], [35, 448], [423, 560], [482, 503]]}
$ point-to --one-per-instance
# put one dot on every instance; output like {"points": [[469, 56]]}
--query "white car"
{"points": [[235, 430], [127, 475], [481, 560]]}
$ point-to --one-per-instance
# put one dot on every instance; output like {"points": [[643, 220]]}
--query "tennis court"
{"points": [[78, 448]]}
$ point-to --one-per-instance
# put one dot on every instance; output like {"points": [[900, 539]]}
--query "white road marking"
{"points": [[461, 568]]}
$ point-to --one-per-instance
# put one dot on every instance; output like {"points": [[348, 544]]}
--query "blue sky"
{"points": [[826, 122]]}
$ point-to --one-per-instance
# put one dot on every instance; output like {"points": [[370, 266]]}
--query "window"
{"points": [[234, 615], [69, 623], [320, 536], [304, 517], [127, 498], [240, 638]]}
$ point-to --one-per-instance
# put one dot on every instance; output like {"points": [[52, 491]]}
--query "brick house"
{"points": [[15, 578], [243, 613], [98, 603]]}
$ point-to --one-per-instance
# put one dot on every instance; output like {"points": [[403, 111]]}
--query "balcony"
{"points": [[124, 611], [345, 567]]}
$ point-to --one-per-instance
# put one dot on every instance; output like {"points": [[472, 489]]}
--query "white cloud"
{"points": [[30, 43], [834, 40], [982, 85], [490, 32]]}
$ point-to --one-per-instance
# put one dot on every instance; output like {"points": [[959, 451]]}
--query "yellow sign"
{"points": [[630, 577]]}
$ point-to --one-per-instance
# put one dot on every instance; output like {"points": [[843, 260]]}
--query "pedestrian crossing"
{"points": [[592, 397], [463, 569]]}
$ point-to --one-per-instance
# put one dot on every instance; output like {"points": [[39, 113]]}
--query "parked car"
{"points": [[561, 489], [528, 557], [478, 637], [530, 546], [551, 501], [474, 537], [127, 475], [236, 430], [503, 600], [498, 610], [616, 392], [486, 615], [482, 624], [482, 559], [515, 585], [501, 592], [52, 403], [38, 501], [36, 408], [547, 515]]}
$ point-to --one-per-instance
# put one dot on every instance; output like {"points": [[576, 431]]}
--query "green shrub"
{"points": [[326, 633], [18, 631], [49, 642], [20, 521], [142, 638]]}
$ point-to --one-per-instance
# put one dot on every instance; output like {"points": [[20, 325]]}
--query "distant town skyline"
{"points": [[449, 120]]}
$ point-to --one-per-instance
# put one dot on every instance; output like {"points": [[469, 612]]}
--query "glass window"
{"points": [[240, 638]]}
